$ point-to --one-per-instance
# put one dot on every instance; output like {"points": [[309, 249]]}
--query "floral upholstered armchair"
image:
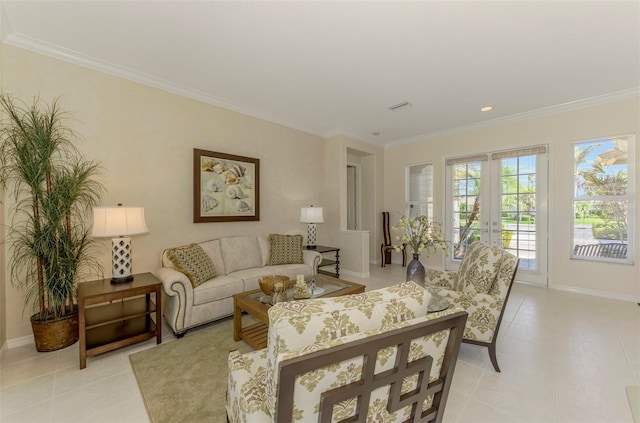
{"points": [[481, 287], [376, 355]]}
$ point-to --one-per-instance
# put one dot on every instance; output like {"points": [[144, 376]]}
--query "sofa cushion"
{"points": [[216, 289], [193, 262], [240, 252], [480, 268], [265, 248], [251, 276], [285, 249], [213, 250]]}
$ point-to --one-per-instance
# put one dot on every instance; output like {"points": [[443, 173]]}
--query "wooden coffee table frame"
{"points": [[256, 334]]}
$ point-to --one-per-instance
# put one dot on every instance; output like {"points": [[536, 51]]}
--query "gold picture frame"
{"points": [[226, 188]]}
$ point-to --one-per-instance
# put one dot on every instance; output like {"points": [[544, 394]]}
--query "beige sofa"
{"points": [[239, 263]]}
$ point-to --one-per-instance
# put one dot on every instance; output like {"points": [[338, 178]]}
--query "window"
{"points": [[602, 193], [420, 190]]}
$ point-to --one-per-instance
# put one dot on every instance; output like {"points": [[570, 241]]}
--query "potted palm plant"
{"points": [[54, 189]]}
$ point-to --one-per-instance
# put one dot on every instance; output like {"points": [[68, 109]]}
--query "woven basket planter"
{"points": [[55, 334]]}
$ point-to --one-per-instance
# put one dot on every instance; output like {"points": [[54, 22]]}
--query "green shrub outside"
{"points": [[507, 235], [607, 230], [527, 218]]}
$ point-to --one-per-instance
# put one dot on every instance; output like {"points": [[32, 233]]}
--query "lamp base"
{"points": [[121, 260], [122, 280], [311, 235]]}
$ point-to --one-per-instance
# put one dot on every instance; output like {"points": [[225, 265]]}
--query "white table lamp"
{"points": [[119, 223], [311, 216]]}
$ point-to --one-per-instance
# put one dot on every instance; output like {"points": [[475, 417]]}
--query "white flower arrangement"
{"points": [[420, 235]]}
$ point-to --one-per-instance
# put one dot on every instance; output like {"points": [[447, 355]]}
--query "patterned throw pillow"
{"points": [[285, 249], [193, 262]]}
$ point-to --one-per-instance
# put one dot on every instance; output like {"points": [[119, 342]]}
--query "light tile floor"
{"points": [[565, 357]]}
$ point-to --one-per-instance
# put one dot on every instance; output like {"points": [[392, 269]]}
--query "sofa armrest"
{"points": [[243, 394], [312, 259], [169, 277], [179, 291], [484, 312], [442, 278], [336, 364]]}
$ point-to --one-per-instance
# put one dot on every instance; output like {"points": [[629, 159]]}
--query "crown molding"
{"points": [[343, 133], [57, 52], [71, 56], [545, 111], [5, 25]]}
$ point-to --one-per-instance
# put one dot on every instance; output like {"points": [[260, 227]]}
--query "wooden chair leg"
{"points": [[492, 355], [382, 263], [404, 255]]}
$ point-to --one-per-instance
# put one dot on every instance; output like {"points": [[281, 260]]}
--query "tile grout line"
{"points": [[624, 350], [556, 387]]}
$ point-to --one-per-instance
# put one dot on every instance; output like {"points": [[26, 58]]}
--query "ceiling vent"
{"points": [[400, 106]]}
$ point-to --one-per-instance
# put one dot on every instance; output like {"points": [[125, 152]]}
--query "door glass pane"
{"points": [[420, 190], [518, 211], [466, 206]]}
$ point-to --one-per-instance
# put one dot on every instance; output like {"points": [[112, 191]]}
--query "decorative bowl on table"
{"points": [[266, 282]]}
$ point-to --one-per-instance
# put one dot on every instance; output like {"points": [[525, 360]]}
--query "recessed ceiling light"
{"points": [[375, 133], [486, 108]]}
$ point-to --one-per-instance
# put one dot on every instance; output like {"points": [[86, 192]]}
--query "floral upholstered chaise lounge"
{"points": [[377, 355], [481, 287]]}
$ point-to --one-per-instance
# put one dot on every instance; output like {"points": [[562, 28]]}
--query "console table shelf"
{"points": [[118, 312], [112, 316], [115, 335]]}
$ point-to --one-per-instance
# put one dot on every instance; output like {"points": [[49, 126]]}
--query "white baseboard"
{"points": [[14, 343], [3, 350], [596, 293], [17, 342], [365, 275]]}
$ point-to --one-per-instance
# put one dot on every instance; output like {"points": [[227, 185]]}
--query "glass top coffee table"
{"points": [[437, 303], [257, 304]]}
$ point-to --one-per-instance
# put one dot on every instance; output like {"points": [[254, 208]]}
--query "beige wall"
{"points": [[341, 149], [145, 137], [558, 131], [3, 275]]}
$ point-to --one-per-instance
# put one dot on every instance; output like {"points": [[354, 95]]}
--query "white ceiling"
{"points": [[335, 67]]}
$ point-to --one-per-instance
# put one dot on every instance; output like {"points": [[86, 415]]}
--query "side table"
{"points": [[328, 262], [112, 316]]}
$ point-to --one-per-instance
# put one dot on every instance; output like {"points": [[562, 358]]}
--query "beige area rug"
{"points": [[186, 380], [633, 394]]}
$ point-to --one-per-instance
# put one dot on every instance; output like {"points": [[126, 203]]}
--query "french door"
{"points": [[501, 198]]}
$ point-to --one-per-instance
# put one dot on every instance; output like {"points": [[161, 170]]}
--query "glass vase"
{"points": [[415, 270]]}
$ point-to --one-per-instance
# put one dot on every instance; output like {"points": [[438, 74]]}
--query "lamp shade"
{"points": [[311, 215], [118, 221]]}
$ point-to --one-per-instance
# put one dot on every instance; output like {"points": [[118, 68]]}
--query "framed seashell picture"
{"points": [[226, 188]]}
